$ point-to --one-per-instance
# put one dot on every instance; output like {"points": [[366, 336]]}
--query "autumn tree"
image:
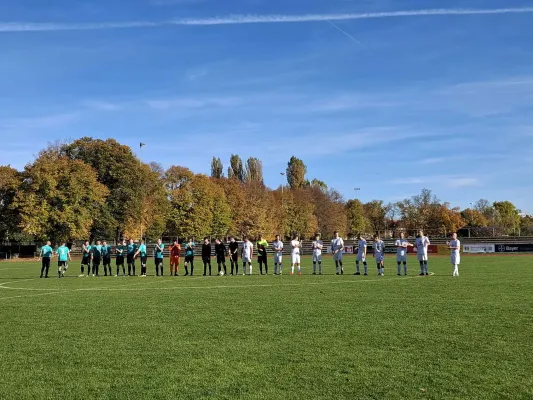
{"points": [[59, 198], [296, 171], [474, 218], [217, 168], [450, 219]]}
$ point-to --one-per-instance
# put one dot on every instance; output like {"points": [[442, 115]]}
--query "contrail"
{"points": [[251, 19], [346, 34]]}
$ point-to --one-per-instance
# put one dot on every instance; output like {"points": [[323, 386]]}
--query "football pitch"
{"points": [[271, 337]]}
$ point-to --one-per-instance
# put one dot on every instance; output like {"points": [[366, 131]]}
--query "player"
{"points": [[189, 257], [401, 253], [247, 254], [278, 256], [141, 251], [295, 254], [361, 255], [318, 245], [206, 255], [63, 257], [96, 257], [131, 250], [262, 258], [422, 243], [233, 248], [158, 255], [337, 247], [220, 252], [455, 256], [175, 252], [46, 257], [106, 258], [120, 250], [378, 248], [86, 258]]}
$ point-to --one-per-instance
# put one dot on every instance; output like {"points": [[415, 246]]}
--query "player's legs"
{"points": [[405, 267], [315, 260], [59, 268], [319, 260], [298, 264], [399, 262], [265, 261]]}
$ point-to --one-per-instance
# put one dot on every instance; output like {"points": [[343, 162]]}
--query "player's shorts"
{"points": [[86, 260], [295, 258], [360, 257], [278, 258], [422, 257], [189, 259], [144, 260], [262, 259], [158, 261], [455, 259], [379, 258], [131, 259], [221, 259], [206, 260], [246, 259], [317, 258], [174, 261], [338, 256], [61, 263], [107, 260], [401, 256], [97, 260], [234, 258], [120, 260]]}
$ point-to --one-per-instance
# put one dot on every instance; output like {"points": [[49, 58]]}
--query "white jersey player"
{"points": [[378, 248], [361, 255], [402, 244], [295, 254], [318, 245], [247, 254], [278, 255], [422, 243], [337, 248], [455, 253]]}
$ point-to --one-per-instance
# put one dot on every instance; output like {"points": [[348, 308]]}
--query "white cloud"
{"points": [[449, 181], [103, 105], [46, 121], [192, 103], [253, 19]]}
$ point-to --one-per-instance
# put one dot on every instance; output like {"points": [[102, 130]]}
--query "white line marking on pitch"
{"points": [[196, 287]]}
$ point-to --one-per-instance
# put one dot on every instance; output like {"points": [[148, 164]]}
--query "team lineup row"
{"points": [[128, 252]]}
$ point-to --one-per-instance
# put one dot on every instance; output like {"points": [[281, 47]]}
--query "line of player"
{"points": [[128, 252]]}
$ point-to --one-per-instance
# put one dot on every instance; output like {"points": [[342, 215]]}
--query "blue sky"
{"points": [[366, 96]]}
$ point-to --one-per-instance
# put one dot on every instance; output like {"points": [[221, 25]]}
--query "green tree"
{"points": [[357, 222], [237, 169], [10, 181], [254, 170], [376, 214], [59, 198], [217, 168], [221, 211], [296, 171], [178, 185], [474, 218], [508, 216], [316, 183], [121, 172]]}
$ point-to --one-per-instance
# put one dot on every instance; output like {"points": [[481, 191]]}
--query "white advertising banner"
{"points": [[479, 248]]}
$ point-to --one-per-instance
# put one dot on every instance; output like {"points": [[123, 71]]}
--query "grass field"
{"points": [[266, 337]]}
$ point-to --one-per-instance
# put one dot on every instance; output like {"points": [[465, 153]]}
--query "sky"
{"points": [[388, 96]]}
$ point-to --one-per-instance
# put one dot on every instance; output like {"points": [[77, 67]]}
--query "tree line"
{"points": [[92, 188]]}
